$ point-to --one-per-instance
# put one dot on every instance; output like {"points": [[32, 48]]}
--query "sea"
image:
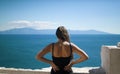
{"points": [[19, 51]]}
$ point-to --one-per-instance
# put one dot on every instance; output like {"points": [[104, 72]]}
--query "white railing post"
{"points": [[110, 59]]}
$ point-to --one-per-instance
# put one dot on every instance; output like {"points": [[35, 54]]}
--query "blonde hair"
{"points": [[62, 33]]}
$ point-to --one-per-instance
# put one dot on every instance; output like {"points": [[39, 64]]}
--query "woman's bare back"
{"points": [[61, 50]]}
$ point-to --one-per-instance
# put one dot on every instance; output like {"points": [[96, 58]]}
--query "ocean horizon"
{"points": [[19, 51]]}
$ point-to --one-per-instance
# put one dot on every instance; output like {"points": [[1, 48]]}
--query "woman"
{"points": [[62, 53]]}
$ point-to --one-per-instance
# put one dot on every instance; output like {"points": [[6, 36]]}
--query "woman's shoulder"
{"points": [[49, 45], [64, 43], [74, 46]]}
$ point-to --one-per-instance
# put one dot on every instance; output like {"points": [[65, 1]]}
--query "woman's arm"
{"points": [[40, 56], [80, 52]]}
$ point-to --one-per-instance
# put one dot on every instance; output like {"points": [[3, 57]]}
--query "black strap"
{"points": [[71, 50], [52, 49]]}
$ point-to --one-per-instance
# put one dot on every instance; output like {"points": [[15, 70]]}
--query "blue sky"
{"points": [[102, 15]]}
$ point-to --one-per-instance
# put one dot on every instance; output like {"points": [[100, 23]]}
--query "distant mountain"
{"points": [[48, 31], [27, 31], [87, 32]]}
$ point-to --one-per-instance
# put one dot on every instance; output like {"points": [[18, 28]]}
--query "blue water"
{"points": [[19, 51]]}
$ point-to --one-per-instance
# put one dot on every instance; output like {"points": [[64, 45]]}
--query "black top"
{"points": [[61, 62]]}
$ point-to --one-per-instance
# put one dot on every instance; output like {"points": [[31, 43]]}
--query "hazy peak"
{"points": [[48, 31]]}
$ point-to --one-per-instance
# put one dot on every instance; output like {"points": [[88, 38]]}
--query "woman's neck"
{"points": [[60, 42]]}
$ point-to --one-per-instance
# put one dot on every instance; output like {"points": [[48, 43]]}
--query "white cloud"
{"points": [[29, 24]]}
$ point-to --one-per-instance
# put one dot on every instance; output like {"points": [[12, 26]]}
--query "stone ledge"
{"points": [[110, 59], [84, 70]]}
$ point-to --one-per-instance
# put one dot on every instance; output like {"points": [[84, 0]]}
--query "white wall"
{"points": [[110, 59]]}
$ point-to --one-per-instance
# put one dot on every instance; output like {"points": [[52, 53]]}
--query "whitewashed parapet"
{"points": [[3, 70], [110, 59]]}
